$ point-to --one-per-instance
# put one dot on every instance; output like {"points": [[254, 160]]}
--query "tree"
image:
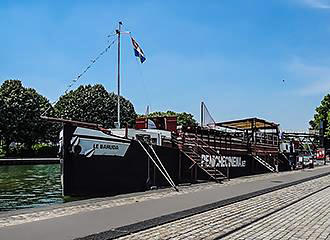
{"points": [[95, 105], [2, 112], [184, 119], [322, 114], [20, 113]]}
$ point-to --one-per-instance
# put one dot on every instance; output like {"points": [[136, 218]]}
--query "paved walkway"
{"points": [[83, 218], [307, 219], [221, 221]]}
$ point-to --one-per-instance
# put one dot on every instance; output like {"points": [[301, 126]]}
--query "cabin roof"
{"points": [[248, 124]]}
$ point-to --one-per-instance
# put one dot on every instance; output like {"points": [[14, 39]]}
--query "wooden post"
{"points": [[126, 131], [214, 139]]}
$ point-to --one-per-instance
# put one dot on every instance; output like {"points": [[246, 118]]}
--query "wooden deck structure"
{"points": [[253, 137]]}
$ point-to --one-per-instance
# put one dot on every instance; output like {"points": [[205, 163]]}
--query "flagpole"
{"points": [[202, 114], [118, 101]]}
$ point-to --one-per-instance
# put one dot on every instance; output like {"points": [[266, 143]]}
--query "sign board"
{"points": [[320, 153]]}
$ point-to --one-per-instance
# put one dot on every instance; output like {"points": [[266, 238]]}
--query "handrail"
{"points": [[163, 167], [218, 154], [161, 171], [205, 151], [264, 163], [212, 150], [195, 163]]}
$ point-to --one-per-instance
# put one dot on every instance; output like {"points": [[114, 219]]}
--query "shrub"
{"points": [[45, 150]]}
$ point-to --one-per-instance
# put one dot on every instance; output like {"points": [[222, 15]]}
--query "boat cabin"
{"points": [[168, 123]]}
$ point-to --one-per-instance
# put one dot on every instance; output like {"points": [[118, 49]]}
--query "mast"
{"points": [[202, 114], [118, 95]]}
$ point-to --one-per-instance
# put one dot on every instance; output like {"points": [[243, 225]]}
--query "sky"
{"points": [[231, 54]]}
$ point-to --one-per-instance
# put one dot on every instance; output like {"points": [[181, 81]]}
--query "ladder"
{"points": [[189, 149], [264, 163]]}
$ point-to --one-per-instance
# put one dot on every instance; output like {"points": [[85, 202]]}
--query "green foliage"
{"points": [[184, 119], [2, 152], [20, 151], [162, 114], [37, 150], [38, 146], [322, 113], [95, 105], [20, 111], [44, 150]]}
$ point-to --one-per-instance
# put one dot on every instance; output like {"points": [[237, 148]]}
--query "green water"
{"points": [[26, 186]]}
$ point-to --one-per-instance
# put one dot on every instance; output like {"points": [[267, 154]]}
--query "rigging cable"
{"points": [[89, 66], [73, 81]]}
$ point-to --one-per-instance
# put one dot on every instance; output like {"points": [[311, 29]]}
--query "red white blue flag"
{"points": [[138, 51]]}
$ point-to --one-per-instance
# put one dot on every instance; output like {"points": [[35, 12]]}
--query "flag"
{"points": [[138, 51]]}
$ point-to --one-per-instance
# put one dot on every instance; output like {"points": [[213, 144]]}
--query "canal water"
{"points": [[26, 186]]}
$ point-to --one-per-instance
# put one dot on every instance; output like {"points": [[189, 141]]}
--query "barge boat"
{"points": [[101, 162]]}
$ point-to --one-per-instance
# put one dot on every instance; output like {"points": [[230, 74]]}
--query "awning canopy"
{"points": [[248, 124]]}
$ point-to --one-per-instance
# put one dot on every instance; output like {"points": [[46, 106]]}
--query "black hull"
{"points": [[112, 175], [133, 172]]}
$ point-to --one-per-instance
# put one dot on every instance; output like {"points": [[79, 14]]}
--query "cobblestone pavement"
{"points": [[9, 219], [307, 219], [220, 221]]}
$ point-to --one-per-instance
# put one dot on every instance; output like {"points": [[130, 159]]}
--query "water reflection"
{"points": [[23, 186]]}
